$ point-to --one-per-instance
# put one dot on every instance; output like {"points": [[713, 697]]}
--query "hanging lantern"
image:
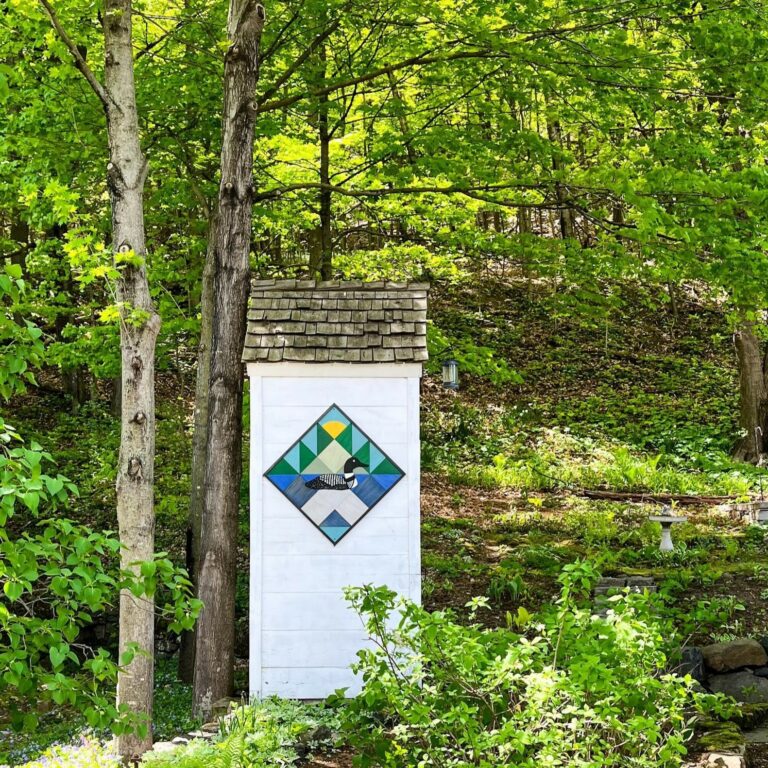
{"points": [[450, 374]]}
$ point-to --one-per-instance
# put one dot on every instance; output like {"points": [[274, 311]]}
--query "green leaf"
{"points": [[13, 590]]}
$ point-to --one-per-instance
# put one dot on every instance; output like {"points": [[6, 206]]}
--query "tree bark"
{"points": [[753, 395], [321, 257], [214, 656], [139, 326], [199, 445], [567, 224]]}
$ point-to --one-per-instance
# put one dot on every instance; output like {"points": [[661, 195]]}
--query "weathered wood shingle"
{"points": [[336, 321]]}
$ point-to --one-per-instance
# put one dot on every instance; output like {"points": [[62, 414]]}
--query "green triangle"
{"points": [[386, 468], [282, 468], [364, 454], [323, 439], [306, 456], [345, 440]]}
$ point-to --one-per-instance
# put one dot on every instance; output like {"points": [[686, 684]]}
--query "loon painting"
{"points": [[344, 482]]}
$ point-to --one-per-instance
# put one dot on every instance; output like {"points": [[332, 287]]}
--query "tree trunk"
{"points": [[139, 326], [199, 445], [753, 395], [321, 244], [214, 656], [326, 243], [567, 225]]}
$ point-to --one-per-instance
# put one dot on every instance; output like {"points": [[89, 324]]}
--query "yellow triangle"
{"points": [[334, 428]]}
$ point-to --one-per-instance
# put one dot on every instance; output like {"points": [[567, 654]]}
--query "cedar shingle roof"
{"points": [[336, 321]]}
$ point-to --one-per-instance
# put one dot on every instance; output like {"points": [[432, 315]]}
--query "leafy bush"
{"points": [[22, 348], [56, 577], [585, 690], [89, 753]]}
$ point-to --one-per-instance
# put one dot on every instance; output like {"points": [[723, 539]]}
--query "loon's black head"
{"points": [[352, 464]]}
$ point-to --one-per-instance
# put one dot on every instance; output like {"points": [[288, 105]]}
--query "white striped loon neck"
{"points": [[350, 478]]}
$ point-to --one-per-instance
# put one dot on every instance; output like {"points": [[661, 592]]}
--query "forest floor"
{"points": [[638, 399]]}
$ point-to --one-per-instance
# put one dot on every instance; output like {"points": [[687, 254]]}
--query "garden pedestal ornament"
{"points": [[334, 371], [667, 521]]}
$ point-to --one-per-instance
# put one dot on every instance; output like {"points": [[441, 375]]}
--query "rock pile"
{"points": [[738, 668]]}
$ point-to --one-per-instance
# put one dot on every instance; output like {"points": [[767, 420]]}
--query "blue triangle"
{"points": [[334, 534], [334, 520], [310, 440], [282, 481], [386, 481], [376, 458], [334, 415], [292, 457], [358, 439]]}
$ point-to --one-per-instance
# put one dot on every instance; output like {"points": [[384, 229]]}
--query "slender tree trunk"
{"points": [[567, 226], [214, 654], [402, 118], [139, 326], [753, 395], [321, 243], [326, 242], [199, 445], [20, 235]]}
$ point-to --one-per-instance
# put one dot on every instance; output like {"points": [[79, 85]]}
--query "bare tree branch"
{"points": [[422, 59], [298, 61], [80, 62]]}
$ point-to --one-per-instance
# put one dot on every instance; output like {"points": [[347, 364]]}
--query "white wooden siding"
{"points": [[304, 636]]}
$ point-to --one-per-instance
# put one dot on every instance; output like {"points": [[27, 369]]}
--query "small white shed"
{"points": [[334, 372]]}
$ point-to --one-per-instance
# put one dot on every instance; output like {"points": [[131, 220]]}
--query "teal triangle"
{"points": [[334, 415], [376, 457], [334, 526], [310, 440], [292, 457], [358, 439], [334, 534]]}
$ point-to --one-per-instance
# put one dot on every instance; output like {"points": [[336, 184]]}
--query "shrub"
{"points": [[56, 578], [579, 690], [89, 753]]}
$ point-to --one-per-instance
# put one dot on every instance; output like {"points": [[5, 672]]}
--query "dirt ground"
{"points": [[341, 759]]}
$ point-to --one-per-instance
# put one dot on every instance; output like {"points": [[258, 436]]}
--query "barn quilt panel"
{"points": [[334, 474]]}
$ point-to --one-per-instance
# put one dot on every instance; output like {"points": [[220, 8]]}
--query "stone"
{"points": [[691, 663], [761, 672], [723, 760], [164, 746], [724, 657], [224, 706], [210, 727], [200, 735], [742, 686], [180, 741], [758, 736]]}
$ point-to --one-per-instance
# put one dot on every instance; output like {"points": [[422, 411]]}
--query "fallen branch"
{"points": [[655, 498]]}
